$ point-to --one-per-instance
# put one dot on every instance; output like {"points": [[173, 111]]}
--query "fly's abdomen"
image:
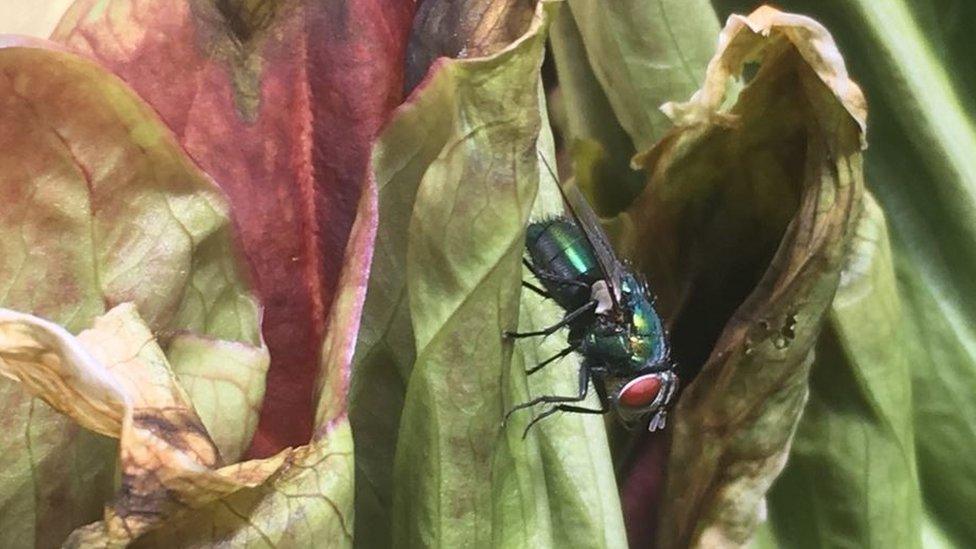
{"points": [[558, 248]]}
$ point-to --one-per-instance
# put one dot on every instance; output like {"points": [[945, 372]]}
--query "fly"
{"points": [[610, 317]]}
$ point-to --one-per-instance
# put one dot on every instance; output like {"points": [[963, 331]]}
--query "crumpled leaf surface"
{"points": [[750, 210], [457, 171], [175, 489], [103, 208], [279, 102]]}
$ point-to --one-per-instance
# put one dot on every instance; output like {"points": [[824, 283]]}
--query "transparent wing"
{"points": [[589, 223]]}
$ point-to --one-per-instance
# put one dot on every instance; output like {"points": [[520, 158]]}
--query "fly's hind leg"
{"points": [[563, 403], [536, 289], [562, 408]]}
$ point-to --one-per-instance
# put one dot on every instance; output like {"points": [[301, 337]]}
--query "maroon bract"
{"points": [[279, 105]]}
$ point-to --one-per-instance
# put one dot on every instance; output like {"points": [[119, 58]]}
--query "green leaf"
{"points": [[457, 171], [851, 479], [616, 68], [582, 491], [104, 208], [644, 54], [750, 210]]}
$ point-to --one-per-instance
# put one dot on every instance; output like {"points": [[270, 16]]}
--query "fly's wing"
{"points": [[589, 223]]}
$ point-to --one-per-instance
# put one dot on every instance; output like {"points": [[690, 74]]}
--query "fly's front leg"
{"points": [[590, 305]]}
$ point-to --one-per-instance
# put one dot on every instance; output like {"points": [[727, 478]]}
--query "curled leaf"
{"points": [[457, 171], [750, 211], [175, 489], [105, 208], [466, 28], [853, 457], [114, 379]]}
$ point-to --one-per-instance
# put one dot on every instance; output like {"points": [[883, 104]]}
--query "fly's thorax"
{"points": [[631, 340], [621, 351]]}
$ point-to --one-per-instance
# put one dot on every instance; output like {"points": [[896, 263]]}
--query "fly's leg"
{"points": [[552, 329], [584, 385], [550, 360], [562, 408], [536, 289], [562, 402]]}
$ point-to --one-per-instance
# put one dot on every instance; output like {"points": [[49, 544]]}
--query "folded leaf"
{"points": [[460, 29], [915, 60], [279, 102], [303, 496], [103, 208], [851, 478], [584, 505], [114, 379], [748, 213], [433, 377]]}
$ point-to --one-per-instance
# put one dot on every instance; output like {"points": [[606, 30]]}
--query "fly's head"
{"points": [[644, 397]]}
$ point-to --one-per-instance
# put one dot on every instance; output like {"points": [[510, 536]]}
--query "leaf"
{"points": [[463, 29], [114, 379], [616, 67], [433, 376], [851, 478], [581, 489], [915, 61], [104, 208], [305, 495], [279, 102], [750, 210]]}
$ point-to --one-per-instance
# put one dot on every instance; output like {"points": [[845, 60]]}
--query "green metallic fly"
{"points": [[610, 315]]}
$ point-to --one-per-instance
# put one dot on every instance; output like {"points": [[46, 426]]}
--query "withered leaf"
{"points": [[749, 211]]}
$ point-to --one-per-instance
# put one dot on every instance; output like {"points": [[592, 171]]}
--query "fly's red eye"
{"points": [[641, 391]]}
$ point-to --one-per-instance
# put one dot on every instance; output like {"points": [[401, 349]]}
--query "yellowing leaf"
{"points": [[103, 207], [114, 379]]}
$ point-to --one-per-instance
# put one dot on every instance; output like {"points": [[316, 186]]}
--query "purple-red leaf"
{"points": [[278, 102]]}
